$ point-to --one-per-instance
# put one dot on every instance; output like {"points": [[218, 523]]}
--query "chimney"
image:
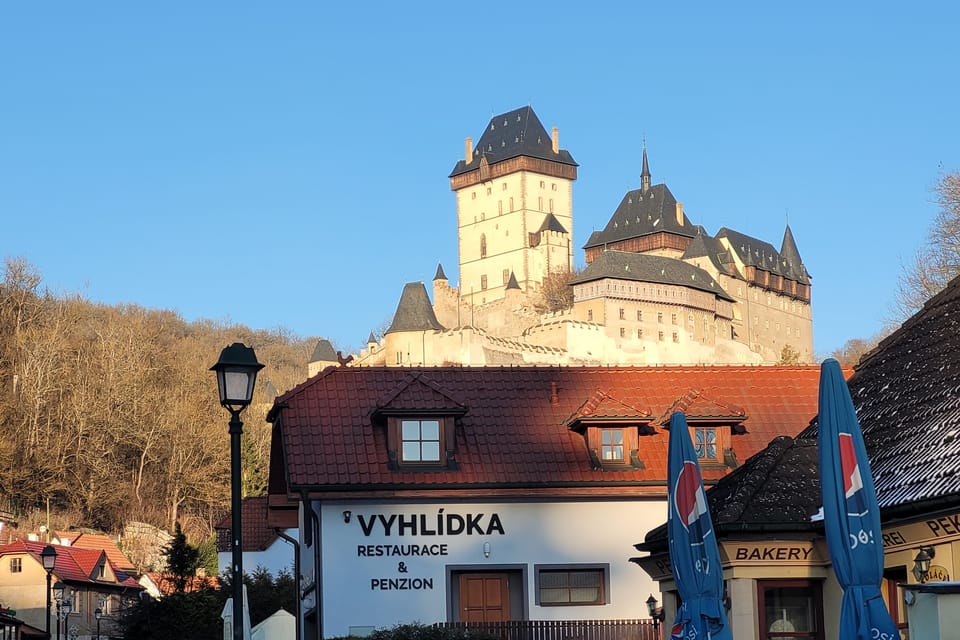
{"points": [[555, 134], [680, 213], [468, 148]]}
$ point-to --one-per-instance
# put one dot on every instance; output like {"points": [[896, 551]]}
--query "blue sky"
{"points": [[285, 164]]}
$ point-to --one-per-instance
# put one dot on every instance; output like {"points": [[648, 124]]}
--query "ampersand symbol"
{"points": [[402, 567]]}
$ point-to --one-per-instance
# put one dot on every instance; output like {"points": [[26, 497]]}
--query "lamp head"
{"points": [[58, 589], [48, 557], [652, 606], [236, 376]]}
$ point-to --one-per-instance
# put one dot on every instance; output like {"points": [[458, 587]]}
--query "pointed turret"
{"points": [[414, 311], [440, 274], [324, 355], [790, 255], [645, 172], [512, 282]]}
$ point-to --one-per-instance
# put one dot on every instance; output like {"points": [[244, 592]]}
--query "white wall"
{"points": [[278, 556], [533, 533]]}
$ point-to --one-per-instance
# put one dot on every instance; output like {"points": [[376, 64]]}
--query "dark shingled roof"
{"points": [[791, 255], [512, 282], [704, 245], [323, 351], [414, 311], [641, 214], [907, 396], [550, 223], [643, 267], [440, 275], [512, 134], [762, 255], [777, 489]]}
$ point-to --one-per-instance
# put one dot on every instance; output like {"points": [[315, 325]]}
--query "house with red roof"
{"points": [[263, 546], [90, 580], [466, 494]]}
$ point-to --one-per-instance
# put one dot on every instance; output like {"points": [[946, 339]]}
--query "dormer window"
{"points": [[706, 443], [611, 445], [611, 430], [420, 441]]}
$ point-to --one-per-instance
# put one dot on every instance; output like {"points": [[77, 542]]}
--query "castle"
{"points": [[657, 289]]}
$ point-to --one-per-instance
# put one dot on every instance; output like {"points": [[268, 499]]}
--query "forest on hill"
{"points": [[110, 414]]}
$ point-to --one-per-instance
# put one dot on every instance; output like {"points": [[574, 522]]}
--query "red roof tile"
{"points": [[72, 564], [102, 542], [256, 535], [514, 433]]}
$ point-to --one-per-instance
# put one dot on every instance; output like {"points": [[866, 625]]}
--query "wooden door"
{"points": [[484, 597]]}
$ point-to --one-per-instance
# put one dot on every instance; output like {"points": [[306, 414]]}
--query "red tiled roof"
{"points": [[514, 433], [256, 535], [105, 543], [697, 406]]}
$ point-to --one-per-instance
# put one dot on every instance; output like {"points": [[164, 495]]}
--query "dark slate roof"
{"points": [[641, 214], [550, 223], [514, 429], [371, 338], [791, 255], [440, 275], [323, 351], [762, 255], [643, 267], [907, 396], [704, 245], [512, 134], [512, 282], [414, 311], [778, 489]]}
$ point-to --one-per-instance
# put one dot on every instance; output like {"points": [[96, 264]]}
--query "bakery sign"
{"points": [[771, 553]]}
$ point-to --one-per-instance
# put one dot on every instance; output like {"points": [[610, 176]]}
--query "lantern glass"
{"points": [[48, 557], [58, 588], [652, 605], [236, 375]]}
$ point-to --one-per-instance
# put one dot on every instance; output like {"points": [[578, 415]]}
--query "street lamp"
{"points": [[655, 612], [67, 607], [58, 589], [49, 559], [921, 564], [98, 612], [236, 375]]}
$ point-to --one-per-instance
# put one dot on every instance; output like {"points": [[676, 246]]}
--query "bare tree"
{"points": [[556, 294], [938, 261]]}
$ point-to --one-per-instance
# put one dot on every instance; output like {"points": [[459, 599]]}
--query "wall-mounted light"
{"points": [[921, 564], [486, 549], [346, 516]]}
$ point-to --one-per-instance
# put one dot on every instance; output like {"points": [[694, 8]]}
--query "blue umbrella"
{"points": [[851, 515], [693, 547]]}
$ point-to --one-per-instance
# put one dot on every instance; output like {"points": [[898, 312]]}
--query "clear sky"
{"points": [[285, 164]]}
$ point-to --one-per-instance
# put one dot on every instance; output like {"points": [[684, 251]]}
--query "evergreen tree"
{"points": [[183, 560]]}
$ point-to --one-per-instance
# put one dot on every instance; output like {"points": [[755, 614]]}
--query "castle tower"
{"points": [[514, 207]]}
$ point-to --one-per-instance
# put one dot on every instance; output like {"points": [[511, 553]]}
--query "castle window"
{"points": [[676, 337], [623, 313], [639, 315], [473, 195], [623, 332], [420, 441], [660, 336], [399, 357], [673, 318], [553, 186], [506, 276], [639, 333], [542, 184], [500, 207], [551, 205], [489, 190], [540, 204], [483, 282], [511, 203], [660, 317], [483, 245], [503, 187]]}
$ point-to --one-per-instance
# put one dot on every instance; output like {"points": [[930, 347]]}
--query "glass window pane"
{"points": [[430, 430], [584, 594], [410, 430], [554, 596], [430, 451], [553, 579], [411, 451]]}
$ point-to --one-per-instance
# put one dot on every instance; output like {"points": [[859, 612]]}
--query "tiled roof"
{"points": [[514, 432], [256, 535], [697, 406], [512, 134], [83, 540], [641, 214], [643, 267], [907, 396], [73, 564]]}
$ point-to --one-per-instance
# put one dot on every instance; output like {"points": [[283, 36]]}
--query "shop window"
{"points": [[420, 441], [575, 585], [790, 609], [706, 444]]}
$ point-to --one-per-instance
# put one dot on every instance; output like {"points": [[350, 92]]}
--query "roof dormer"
{"points": [[611, 429], [712, 425]]}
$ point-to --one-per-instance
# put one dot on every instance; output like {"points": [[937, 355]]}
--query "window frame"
{"points": [[629, 442], [16, 564], [446, 440], [603, 569], [815, 588], [695, 432]]}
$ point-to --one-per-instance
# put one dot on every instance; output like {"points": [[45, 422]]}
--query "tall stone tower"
{"points": [[514, 207]]}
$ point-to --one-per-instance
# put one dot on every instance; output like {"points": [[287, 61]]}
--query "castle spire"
{"points": [[645, 172]]}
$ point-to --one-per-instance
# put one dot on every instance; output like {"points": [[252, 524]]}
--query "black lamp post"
{"points": [[236, 376], [98, 612], [49, 559], [58, 589], [67, 608], [655, 612]]}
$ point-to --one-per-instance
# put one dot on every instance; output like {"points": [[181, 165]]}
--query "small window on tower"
{"points": [[589, 315], [623, 313], [483, 282], [483, 245], [506, 275]]}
